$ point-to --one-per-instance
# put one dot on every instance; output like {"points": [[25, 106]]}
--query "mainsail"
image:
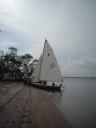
{"points": [[47, 68]]}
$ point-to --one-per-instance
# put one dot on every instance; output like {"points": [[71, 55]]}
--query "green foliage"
{"points": [[27, 66], [12, 51], [15, 67]]}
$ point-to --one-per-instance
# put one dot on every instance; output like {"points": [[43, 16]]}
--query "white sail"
{"points": [[36, 73], [49, 67]]}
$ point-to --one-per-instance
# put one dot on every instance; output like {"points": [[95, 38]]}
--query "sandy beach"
{"points": [[23, 106]]}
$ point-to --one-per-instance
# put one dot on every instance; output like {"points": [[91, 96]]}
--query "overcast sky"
{"points": [[68, 25]]}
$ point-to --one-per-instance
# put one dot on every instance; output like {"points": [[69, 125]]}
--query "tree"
{"points": [[2, 65], [14, 66], [12, 50], [27, 66], [26, 58]]}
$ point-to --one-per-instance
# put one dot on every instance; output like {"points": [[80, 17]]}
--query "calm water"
{"points": [[78, 101]]}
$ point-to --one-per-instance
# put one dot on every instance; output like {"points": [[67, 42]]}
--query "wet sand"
{"points": [[22, 106]]}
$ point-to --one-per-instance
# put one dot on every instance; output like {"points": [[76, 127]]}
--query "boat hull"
{"points": [[46, 87]]}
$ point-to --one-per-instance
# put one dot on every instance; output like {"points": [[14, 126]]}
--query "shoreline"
{"points": [[29, 108]]}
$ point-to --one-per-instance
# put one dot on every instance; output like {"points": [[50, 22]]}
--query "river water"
{"points": [[78, 101]]}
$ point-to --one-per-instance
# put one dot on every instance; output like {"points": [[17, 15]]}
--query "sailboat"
{"points": [[47, 69]]}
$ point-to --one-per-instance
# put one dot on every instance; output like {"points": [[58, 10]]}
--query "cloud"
{"points": [[69, 26]]}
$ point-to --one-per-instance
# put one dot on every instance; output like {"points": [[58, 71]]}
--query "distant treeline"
{"points": [[16, 67]]}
